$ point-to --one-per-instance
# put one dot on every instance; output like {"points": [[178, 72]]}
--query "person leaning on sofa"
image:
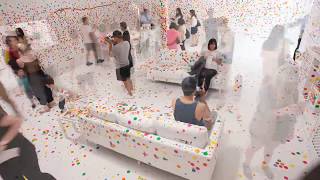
{"points": [[189, 110]]}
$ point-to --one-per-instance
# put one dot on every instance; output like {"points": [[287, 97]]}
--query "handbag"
{"points": [[198, 23]]}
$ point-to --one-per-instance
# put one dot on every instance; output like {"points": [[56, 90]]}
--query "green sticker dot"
{"points": [[118, 142], [128, 171], [127, 130], [135, 118], [83, 174], [158, 138], [205, 153]]}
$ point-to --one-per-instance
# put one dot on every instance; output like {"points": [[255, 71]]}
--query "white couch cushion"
{"points": [[137, 123], [182, 132], [103, 112]]}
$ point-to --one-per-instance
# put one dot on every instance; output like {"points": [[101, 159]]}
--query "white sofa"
{"points": [[173, 66], [152, 137]]}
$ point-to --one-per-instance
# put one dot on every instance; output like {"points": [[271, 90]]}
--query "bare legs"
{"points": [[251, 151], [194, 39], [129, 86], [87, 58]]}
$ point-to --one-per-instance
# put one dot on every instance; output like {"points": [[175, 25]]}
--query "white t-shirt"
{"points": [[121, 54], [194, 21], [211, 56], [85, 31]]}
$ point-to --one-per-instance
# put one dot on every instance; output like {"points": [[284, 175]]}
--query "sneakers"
{"points": [[89, 63]]}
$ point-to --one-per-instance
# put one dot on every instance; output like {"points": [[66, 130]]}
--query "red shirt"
{"points": [[14, 55]]}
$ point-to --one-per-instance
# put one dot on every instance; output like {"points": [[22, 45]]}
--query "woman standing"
{"points": [[36, 76], [173, 36], [126, 37], [178, 16], [213, 59], [183, 30], [194, 28], [12, 56]]}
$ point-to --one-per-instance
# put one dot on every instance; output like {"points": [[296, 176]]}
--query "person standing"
{"points": [[145, 18], [178, 16], [194, 28], [120, 51], [23, 162], [173, 36], [90, 41], [30, 64], [13, 55], [126, 37], [183, 30]]}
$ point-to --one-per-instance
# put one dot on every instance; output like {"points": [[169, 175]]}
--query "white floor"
{"points": [[67, 160]]}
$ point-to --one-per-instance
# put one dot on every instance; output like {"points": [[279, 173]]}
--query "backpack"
{"points": [[187, 34]]}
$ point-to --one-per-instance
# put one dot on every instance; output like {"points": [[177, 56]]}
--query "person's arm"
{"points": [[109, 42], [203, 113], [206, 114], [173, 104], [20, 63], [178, 37], [14, 123], [5, 97]]}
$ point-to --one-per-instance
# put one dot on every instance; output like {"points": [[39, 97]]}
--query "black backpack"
{"points": [[187, 34]]}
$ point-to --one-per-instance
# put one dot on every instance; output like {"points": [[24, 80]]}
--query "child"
{"points": [[60, 93]]}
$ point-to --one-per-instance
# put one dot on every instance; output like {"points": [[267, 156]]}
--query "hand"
{"points": [[218, 61], [108, 40], [3, 147], [202, 94]]}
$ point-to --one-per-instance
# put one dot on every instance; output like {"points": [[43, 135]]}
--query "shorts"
{"points": [[123, 73], [194, 30], [90, 46]]}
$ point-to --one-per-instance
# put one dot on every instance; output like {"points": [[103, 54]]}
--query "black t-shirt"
{"points": [[126, 36]]}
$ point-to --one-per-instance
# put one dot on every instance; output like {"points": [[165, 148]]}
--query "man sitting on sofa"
{"points": [[189, 110]]}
